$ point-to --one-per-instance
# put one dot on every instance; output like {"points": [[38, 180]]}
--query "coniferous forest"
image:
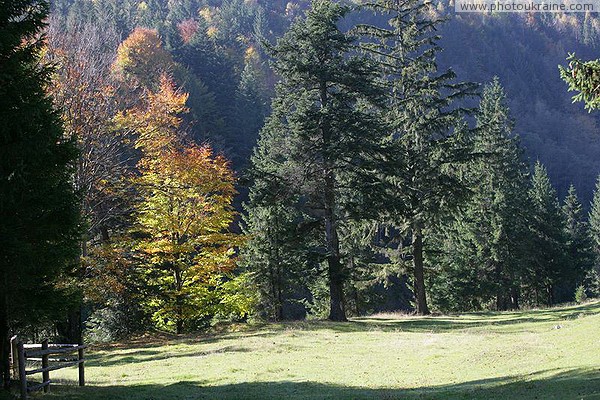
{"points": [[176, 166]]}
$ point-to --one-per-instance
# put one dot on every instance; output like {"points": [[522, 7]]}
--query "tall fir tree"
{"points": [[546, 225], [592, 281], [594, 220], [322, 144], [39, 233], [423, 121], [480, 251], [579, 258], [252, 97]]}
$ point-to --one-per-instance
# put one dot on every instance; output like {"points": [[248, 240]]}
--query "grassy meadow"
{"points": [[537, 354]]}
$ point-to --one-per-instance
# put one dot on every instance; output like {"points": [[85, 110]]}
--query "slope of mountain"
{"points": [[216, 41]]}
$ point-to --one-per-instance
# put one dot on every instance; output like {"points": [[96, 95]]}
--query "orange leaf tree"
{"points": [[142, 58], [184, 213]]}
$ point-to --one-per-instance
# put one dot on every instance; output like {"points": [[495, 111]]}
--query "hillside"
{"points": [[547, 354], [524, 52], [230, 83]]}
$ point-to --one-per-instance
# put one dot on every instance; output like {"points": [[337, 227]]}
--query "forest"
{"points": [[176, 167]]}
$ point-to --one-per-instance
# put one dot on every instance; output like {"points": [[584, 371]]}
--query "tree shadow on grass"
{"points": [[457, 322], [144, 346], [160, 339], [137, 356], [573, 384]]}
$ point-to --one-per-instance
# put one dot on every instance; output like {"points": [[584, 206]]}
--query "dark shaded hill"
{"points": [[230, 83], [524, 51]]}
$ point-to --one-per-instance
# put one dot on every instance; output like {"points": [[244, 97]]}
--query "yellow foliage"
{"points": [[156, 120], [141, 57], [185, 207], [212, 31], [207, 14]]}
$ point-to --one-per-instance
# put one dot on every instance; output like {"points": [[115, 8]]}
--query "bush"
{"points": [[580, 295], [113, 322]]}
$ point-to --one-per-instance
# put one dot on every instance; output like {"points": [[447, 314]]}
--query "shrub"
{"points": [[580, 295]]}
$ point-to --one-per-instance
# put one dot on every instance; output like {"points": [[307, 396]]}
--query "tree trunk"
{"points": [[550, 292], [278, 282], [4, 334], [75, 334], [355, 290], [419, 272], [335, 272], [179, 318], [336, 292], [279, 310], [501, 301], [104, 234], [514, 294]]}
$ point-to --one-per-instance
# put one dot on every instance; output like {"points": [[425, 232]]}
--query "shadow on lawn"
{"points": [[149, 348], [574, 384], [158, 339], [460, 322], [137, 356]]}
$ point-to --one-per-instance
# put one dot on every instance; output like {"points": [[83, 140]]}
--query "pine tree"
{"points": [[422, 120], [322, 144], [39, 232], [547, 255], [479, 252]]}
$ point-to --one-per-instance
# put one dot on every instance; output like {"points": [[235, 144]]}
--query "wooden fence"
{"points": [[21, 353]]}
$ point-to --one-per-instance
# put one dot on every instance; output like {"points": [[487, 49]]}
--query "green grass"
{"points": [[538, 354]]}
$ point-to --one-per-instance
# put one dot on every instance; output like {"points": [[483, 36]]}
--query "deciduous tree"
{"points": [[184, 213]]}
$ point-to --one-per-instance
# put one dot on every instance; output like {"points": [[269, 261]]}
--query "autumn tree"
{"points": [[86, 94], [140, 61], [141, 58], [184, 212]]}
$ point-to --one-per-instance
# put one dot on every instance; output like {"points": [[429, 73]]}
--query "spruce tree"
{"points": [[592, 280], [594, 220], [39, 232], [480, 250], [546, 225], [321, 145], [583, 77], [578, 247], [421, 119], [276, 256]]}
